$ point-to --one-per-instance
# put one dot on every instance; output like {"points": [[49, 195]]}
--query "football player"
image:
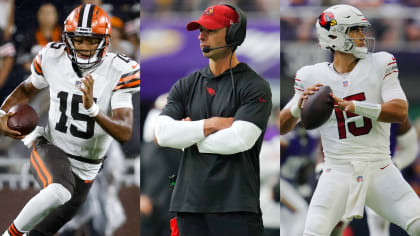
{"points": [[404, 149], [90, 104], [368, 97]]}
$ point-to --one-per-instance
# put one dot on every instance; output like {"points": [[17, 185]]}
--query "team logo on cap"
{"points": [[209, 11]]}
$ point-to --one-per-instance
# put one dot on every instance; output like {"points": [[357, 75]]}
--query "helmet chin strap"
{"points": [[360, 52]]}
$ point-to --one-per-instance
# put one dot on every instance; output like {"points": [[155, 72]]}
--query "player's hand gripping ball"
{"points": [[24, 120], [317, 108]]}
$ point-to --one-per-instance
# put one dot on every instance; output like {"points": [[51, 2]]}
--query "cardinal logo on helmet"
{"points": [[326, 20]]}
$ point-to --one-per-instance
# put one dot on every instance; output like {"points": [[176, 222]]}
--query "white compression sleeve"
{"points": [[241, 136], [407, 149], [369, 110], [41, 205], [178, 134]]}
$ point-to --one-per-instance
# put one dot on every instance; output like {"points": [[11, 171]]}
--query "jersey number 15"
{"points": [[75, 101], [356, 131]]}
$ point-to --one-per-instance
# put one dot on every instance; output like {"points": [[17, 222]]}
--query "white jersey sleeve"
{"points": [[391, 88], [301, 83], [128, 83], [37, 75]]}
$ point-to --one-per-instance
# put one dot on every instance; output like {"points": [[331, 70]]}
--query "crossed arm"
{"points": [[218, 135]]}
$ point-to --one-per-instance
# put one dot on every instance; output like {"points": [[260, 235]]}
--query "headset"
{"points": [[235, 36], [235, 33]]}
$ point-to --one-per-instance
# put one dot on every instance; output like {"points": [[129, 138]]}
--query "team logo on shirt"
{"points": [[326, 20], [211, 91]]}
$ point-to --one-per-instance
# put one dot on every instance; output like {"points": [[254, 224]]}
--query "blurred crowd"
{"points": [[173, 6], [395, 23]]}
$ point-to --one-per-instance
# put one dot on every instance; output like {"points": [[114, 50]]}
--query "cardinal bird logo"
{"points": [[326, 20], [211, 91], [209, 11]]}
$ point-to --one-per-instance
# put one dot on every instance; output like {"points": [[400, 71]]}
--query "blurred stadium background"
{"points": [[25, 27], [396, 26]]}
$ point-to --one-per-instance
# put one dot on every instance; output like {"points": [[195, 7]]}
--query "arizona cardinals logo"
{"points": [[209, 11], [211, 91], [326, 20]]}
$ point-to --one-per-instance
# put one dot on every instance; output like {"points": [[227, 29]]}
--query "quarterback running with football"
{"points": [[90, 104], [368, 97]]}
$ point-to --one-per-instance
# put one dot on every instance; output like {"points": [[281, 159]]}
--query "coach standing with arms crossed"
{"points": [[218, 115]]}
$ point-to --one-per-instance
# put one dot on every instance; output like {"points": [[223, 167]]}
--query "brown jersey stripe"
{"points": [[130, 77], [127, 82], [134, 84], [37, 68], [126, 88], [131, 73]]}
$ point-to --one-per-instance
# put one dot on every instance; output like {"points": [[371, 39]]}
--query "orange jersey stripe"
{"points": [[44, 170], [38, 171], [132, 84], [15, 230], [129, 77], [37, 67], [11, 232]]}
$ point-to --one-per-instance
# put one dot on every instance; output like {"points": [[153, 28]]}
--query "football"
{"points": [[317, 108], [24, 120]]}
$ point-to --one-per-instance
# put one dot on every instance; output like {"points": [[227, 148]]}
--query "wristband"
{"points": [[295, 111], [93, 110], [367, 109]]}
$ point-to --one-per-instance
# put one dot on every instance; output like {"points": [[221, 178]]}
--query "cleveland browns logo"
{"points": [[326, 20]]}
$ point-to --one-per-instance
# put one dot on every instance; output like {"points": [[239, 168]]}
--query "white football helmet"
{"points": [[333, 26]]}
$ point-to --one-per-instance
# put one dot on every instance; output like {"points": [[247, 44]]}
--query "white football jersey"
{"points": [[345, 134], [69, 125]]}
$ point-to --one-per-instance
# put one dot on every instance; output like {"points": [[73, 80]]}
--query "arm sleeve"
{"points": [[240, 137], [129, 82], [178, 134], [255, 104], [391, 88], [407, 149], [175, 106], [121, 100], [299, 86], [37, 75]]}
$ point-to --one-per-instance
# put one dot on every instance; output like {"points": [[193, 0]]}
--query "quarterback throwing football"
{"points": [[355, 139], [90, 103]]}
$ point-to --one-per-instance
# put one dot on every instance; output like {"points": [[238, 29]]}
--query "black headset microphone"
{"points": [[207, 49]]}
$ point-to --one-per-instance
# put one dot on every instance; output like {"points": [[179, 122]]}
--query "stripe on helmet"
{"points": [[86, 15], [79, 23], [89, 22]]}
